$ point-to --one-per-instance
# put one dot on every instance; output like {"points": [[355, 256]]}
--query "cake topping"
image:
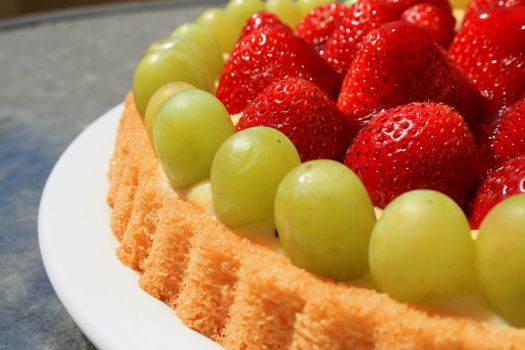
{"points": [[437, 19], [317, 26], [260, 20], [245, 174], [489, 48], [500, 259], [189, 128], [400, 63], [305, 114], [417, 114], [419, 145], [162, 67], [508, 139], [421, 248], [324, 218], [266, 56], [505, 181], [365, 16]]}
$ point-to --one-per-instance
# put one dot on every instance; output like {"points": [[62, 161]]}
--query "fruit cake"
{"points": [[323, 187]]}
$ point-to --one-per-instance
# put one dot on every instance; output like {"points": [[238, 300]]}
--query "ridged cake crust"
{"points": [[245, 296]]}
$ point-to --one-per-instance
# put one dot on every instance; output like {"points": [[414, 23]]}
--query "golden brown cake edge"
{"points": [[245, 296]]}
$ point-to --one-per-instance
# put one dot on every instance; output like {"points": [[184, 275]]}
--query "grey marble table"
{"points": [[58, 73]]}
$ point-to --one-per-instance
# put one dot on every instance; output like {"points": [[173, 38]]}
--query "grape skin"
{"points": [[421, 248], [158, 98], [245, 174], [205, 39], [241, 10], [187, 47], [500, 259], [286, 10], [324, 217], [222, 26], [162, 67], [187, 131], [305, 6]]}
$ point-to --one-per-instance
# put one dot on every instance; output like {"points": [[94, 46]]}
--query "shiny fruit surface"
{"points": [[205, 39], [189, 128], [324, 218], [241, 10], [421, 248], [305, 6], [222, 26], [245, 174], [286, 10], [158, 98], [162, 67], [500, 259], [185, 46]]}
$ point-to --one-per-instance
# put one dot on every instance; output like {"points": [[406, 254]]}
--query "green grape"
{"points": [[305, 6], [158, 98], [241, 10], [162, 67], [500, 259], [349, 2], [245, 174], [421, 248], [187, 47], [205, 39], [324, 218], [222, 26], [286, 10], [189, 128]]}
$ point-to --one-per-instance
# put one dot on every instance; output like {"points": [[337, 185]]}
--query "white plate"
{"points": [[78, 250]]}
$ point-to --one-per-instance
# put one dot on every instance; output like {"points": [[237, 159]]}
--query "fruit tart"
{"points": [[317, 175]]}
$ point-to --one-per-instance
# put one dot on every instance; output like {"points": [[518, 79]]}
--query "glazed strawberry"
{"points": [[400, 63], [415, 146], [260, 20], [437, 19], [365, 16], [305, 114], [317, 26], [508, 139], [501, 183], [490, 48], [475, 6], [268, 55]]}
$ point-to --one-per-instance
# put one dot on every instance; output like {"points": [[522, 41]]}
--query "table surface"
{"points": [[58, 73]]}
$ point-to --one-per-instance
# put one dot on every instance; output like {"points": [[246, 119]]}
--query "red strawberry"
{"points": [[490, 48], [400, 63], [268, 55], [508, 139], [260, 20], [317, 26], [365, 16], [480, 5], [437, 19], [415, 146], [501, 183], [303, 113]]}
